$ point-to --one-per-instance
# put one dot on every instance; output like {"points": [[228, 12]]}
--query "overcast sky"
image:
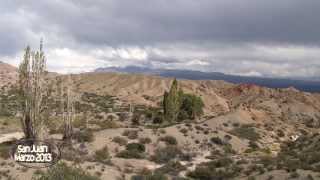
{"points": [[277, 38]]}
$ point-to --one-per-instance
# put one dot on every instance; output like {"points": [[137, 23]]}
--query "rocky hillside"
{"points": [[246, 132], [8, 74], [260, 103]]}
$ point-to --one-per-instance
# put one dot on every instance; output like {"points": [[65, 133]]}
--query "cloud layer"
{"points": [[260, 38]]}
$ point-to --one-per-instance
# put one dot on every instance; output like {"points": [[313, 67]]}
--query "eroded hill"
{"points": [[244, 132]]}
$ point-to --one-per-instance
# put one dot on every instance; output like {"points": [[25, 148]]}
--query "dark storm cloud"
{"points": [[203, 34], [118, 22]]}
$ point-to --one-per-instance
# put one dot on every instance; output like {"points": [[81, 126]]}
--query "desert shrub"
{"points": [[301, 154], [280, 133], [84, 136], [162, 131], [253, 145], [254, 168], [270, 177], [120, 140], [145, 140], [199, 128], [5, 150], [106, 124], [309, 177], [228, 149], [183, 115], [130, 155], [172, 168], [102, 155], [227, 137], [235, 124], [136, 147], [266, 161], [216, 140], [180, 178], [184, 130], [163, 155], [135, 121], [294, 175], [186, 156], [131, 134], [5, 112], [221, 162], [133, 151], [246, 132], [158, 119], [79, 122], [205, 172], [202, 173], [155, 176], [63, 172], [169, 140]]}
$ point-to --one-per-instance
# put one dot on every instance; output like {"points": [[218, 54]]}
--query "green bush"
{"points": [[136, 147], [191, 106], [131, 134], [105, 124], [5, 150], [204, 173], [178, 106], [133, 151], [294, 175], [130, 155], [155, 176], [102, 155], [120, 140], [145, 140], [221, 162], [172, 167], [246, 132], [184, 130], [216, 140], [164, 155], [84, 136], [63, 172], [169, 140], [223, 168]]}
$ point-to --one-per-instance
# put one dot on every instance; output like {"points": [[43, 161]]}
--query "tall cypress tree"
{"points": [[172, 102]]}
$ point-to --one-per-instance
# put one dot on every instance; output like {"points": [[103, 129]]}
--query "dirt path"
{"points": [[10, 136]]}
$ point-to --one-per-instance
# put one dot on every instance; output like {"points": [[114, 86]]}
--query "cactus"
{"points": [[32, 71], [66, 109]]}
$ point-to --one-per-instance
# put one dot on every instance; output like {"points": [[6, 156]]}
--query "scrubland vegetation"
{"points": [[176, 135]]}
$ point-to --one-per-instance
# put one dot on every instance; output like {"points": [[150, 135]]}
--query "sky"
{"points": [[268, 38]]}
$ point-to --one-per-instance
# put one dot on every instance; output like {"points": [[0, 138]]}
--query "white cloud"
{"points": [[197, 62], [131, 53], [249, 60]]}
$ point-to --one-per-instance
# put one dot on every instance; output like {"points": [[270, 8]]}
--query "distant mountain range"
{"points": [[303, 85]]}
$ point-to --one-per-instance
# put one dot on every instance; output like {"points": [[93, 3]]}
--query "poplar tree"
{"points": [[178, 105], [172, 103]]}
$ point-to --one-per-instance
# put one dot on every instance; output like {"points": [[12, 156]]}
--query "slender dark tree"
{"points": [[172, 102]]}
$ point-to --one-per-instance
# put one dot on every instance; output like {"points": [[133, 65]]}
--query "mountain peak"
{"points": [[303, 85]]}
